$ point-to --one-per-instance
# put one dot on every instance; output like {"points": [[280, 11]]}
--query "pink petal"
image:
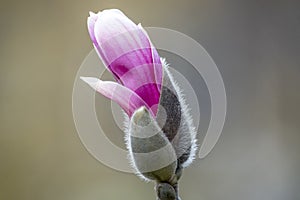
{"points": [[126, 98], [127, 51]]}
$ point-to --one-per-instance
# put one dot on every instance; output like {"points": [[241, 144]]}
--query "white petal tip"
{"points": [[93, 82], [92, 13]]}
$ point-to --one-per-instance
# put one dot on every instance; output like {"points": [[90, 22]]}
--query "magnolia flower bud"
{"points": [[151, 153], [160, 135]]}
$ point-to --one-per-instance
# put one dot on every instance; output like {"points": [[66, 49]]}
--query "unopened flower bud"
{"points": [[151, 153]]}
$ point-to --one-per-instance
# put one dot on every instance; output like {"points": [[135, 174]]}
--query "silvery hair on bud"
{"points": [[173, 120], [179, 126], [151, 152]]}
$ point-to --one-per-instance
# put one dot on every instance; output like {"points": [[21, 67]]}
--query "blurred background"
{"points": [[255, 45]]}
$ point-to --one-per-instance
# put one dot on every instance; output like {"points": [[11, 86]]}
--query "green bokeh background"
{"points": [[256, 46]]}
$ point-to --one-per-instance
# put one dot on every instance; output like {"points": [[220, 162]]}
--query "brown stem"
{"points": [[169, 190], [166, 191]]}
